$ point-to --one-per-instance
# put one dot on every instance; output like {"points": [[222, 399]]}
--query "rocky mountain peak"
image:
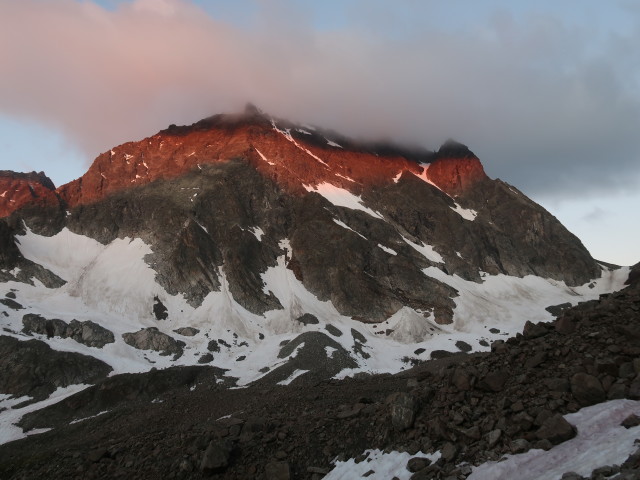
{"points": [[251, 109], [295, 156], [454, 149], [455, 168], [21, 189]]}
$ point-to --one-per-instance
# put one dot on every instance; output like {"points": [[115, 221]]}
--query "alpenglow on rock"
{"points": [[246, 231]]}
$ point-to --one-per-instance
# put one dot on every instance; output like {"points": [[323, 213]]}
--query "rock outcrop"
{"points": [[455, 169], [25, 189], [88, 333], [32, 368], [153, 339]]}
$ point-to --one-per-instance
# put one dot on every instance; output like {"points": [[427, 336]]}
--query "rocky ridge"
{"points": [[198, 194], [25, 189]]}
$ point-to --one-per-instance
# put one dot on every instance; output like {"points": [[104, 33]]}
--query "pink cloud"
{"points": [[104, 77]]}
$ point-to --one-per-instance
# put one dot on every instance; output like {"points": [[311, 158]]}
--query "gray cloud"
{"points": [[543, 106], [595, 215]]}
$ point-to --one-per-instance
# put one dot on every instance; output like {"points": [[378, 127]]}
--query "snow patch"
{"points": [[600, 441], [287, 134], [426, 251], [425, 177], [385, 466], [9, 417], [346, 178], [506, 302], [341, 198], [344, 225], [263, 157], [396, 179], [466, 213], [202, 227], [257, 232], [87, 418], [387, 249], [292, 377], [332, 144]]}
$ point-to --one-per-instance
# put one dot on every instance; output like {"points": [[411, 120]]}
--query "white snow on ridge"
{"points": [[287, 134], [344, 225], [257, 232], [424, 176], [78, 420], [387, 249], [466, 213], [264, 158], [346, 178], [426, 251], [600, 441], [332, 144], [9, 417], [341, 198], [293, 376]]}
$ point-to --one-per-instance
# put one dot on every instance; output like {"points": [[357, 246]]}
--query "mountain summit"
{"points": [[221, 241]]}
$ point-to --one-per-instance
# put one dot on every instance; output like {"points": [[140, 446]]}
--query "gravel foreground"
{"points": [[187, 423]]}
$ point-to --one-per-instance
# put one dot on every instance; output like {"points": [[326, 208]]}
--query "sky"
{"points": [[545, 92]]}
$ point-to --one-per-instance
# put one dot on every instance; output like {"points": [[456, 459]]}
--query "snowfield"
{"points": [[114, 287]]}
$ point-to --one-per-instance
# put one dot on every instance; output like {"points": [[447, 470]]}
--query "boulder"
{"points": [[556, 430], [494, 381], [153, 339], [587, 389], [308, 319], [215, 458], [402, 407], [416, 464], [187, 331], [565, 325], [534, 330], [87, 332], [277, 471]]}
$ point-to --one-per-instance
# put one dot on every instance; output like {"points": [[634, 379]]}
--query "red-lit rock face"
{"points": [[455, 175], [291, 156], [20, 189], [281, 155]]}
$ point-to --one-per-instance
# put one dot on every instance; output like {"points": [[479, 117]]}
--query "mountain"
{"points": [[249, 250]]}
